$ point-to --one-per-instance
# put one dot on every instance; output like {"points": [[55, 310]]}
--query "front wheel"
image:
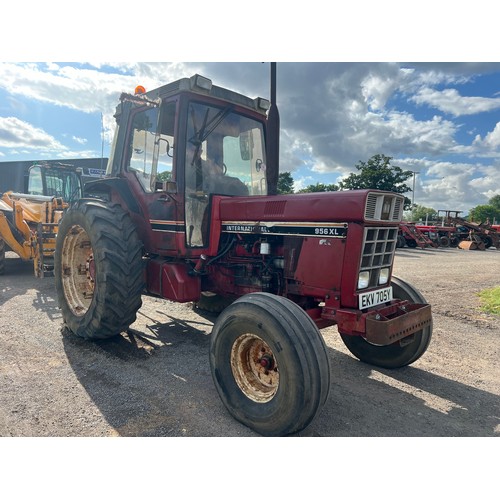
{"points": [[401, 353], [98, 269], [269, 364]]}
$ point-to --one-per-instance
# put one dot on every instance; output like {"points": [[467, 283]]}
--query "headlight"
{"points": [[383, 277], [363, 279]]}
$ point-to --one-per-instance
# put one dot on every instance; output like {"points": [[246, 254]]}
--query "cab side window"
{"points": [[35, 183], [166, 144], [143, 141], [152, 145]]}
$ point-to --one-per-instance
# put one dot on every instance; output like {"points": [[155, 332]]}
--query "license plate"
{"points": [[370, 299]]}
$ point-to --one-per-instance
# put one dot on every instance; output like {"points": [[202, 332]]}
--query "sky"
{"points": [[439, 120], [361, 79]]}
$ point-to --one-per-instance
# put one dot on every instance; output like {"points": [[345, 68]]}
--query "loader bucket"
{"points": [[471, 245]]}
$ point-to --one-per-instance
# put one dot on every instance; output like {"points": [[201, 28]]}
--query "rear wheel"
{"points": [[401, 353], [269, 364], [444, 241], [98, 269], [487, 241]]}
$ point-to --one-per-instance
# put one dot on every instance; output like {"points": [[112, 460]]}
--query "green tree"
{"points": [[285, 183], [421, 213], [164, 176], [319, 188], [484, 213], [378, 173], [495, 201]]}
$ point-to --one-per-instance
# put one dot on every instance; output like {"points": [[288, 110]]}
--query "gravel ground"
{"points": [[155, 379]]}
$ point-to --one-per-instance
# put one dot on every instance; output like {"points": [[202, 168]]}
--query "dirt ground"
{"points": [[155, 379]]}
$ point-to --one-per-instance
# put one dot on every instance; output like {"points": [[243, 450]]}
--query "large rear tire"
{"points": [[98, 269], [269, 364], [401, 353]]}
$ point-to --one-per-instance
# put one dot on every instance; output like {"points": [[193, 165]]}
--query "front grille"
{"points": [[379, 245], [397, 212]]}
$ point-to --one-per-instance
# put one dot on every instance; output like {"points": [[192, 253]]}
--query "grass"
{"points": [[490, 300]]}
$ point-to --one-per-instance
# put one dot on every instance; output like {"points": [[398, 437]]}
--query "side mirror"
{"points": [[169, 187]]}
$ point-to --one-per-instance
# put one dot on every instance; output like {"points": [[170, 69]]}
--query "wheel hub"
{"points": [[267, 361], [78, 267], [254, 368]]}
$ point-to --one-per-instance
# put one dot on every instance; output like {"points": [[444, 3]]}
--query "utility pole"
{"points": [[413, 190]]}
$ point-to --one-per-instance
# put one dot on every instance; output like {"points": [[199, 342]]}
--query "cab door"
{"points": [[150, 161]]}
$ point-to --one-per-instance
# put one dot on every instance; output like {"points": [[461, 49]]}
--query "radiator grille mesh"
{"points": [[379, 246]]}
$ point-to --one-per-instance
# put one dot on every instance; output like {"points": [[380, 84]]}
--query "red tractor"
{"points": [[185, 213]]}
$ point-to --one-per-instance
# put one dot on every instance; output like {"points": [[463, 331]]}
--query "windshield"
{"points": [[63, 184], [225, 152], [224, 155], [58, 182]]}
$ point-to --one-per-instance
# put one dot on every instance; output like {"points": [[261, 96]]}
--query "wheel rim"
{"points": [[78, 270], [254, 368]]}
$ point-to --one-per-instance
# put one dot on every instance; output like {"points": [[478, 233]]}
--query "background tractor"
{"points": [[277, 267]]}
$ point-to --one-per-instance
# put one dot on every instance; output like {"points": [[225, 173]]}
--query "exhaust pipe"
{"points": [[273, 138]]}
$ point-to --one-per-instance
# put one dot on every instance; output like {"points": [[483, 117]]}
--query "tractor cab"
{"points": [[55, 179], [176, 147]]}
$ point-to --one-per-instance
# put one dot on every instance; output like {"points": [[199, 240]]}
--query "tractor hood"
{"points": [[337, 206]]}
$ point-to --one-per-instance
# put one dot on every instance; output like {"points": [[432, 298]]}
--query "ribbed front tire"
{"points": [[269, 364]]}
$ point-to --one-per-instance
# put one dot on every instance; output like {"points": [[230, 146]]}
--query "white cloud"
{"points": [[487, 181], [491, 141], [84, 89], [455, 186], [302, 182], [15, 133], [340, 111], [80, 140], [450, 101], [377, 89]]}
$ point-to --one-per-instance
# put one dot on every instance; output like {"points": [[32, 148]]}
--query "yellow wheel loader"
{"points": [[29, 221]]}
